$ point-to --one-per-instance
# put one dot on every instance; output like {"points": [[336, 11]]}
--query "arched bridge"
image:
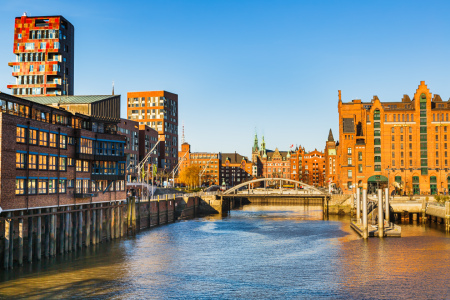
{"points": [[305, 188]]}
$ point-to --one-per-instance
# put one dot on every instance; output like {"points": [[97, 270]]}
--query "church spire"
{"points": [[330, 136], [255, 144]]}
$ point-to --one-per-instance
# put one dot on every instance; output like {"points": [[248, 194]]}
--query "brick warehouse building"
{"points": [[44, 49], [314, 168], [209, 162], [158, 110], [52, 157], [402, 145]]}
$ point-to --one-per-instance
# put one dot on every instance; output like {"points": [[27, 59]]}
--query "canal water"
{"points": [[258, 252]]}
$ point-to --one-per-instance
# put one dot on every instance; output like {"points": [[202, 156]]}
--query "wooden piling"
{"points": [[80, 227], [121, 220], [157, 211], [113, 225], [167, 209], [7, 241], [67, 231], [88, 227], [108, 223], [51, 233], [74, 230], [100, 225], [20, 240], [11, 244], [61, 231], [30, 238], [117, 221], [94, 225], [133, 214], [47, 234], [39, 236]]}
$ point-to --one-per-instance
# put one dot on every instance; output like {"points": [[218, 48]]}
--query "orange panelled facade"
{"points": [[403, 145], [44, 49], [158, 110]]}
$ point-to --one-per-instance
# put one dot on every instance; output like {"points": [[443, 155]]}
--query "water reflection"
{"points": [[260, 251]]}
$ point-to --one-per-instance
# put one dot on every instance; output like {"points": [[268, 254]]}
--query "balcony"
{"points": [[107, 177], [84, 193]]}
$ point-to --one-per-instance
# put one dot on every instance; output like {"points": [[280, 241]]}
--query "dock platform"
{"points": [[390, 229]]}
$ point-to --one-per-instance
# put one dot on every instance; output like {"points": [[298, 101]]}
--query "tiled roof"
{"points": [[235, 158], [46, 100]]}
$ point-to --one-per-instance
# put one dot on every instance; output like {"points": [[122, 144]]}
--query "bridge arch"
{"points": [[306, 186]]}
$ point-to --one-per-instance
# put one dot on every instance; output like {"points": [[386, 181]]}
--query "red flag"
{"points": [[292, 146]]}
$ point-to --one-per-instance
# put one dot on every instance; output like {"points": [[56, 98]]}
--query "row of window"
{"points": [[42, 161], [89, 146], [42, 138], [44, 186]]}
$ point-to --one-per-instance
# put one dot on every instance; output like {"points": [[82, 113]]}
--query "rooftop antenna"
{"points": [[182, 137], [24, 14], [113, 88]]}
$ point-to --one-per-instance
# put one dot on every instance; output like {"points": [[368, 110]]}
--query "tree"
{"points": [[189, 175]]}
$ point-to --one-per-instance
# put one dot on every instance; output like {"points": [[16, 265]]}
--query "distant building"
{"points": [[235, 168], [209, 163], [158, 110], [314, 168], [44, 49], [330, 161]]}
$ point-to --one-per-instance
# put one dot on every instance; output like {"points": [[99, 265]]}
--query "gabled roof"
{"points": [[46, 100]]}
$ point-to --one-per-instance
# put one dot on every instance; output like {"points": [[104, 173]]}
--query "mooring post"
{"points": [[380, 214], [117, 220], [39, 236], [30, 237], [121, 220], [364, 215], [358, 206], [88, 227], [20, 240], [447, 216], [7, 240], [388, 211]]}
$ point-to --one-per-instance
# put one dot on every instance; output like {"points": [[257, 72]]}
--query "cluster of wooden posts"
{"points": [[34, 234]]}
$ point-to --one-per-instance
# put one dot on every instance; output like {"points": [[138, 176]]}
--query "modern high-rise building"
{"points": [[158, 110], [44, 49]]}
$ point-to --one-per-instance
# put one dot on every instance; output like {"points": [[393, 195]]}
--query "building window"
{"points": [[20, 186], [53, 139], [349, 150], [42, 186], [393, 154], [32, 139], [52, 186], [360, 168], [349, 161], [20, 160], [32, 161], [79, 167], [63, 141], [62, 164], [62, 186], [21, 135], [85, 166], [349, 173], [52, 163], [70, 162], [360, 156], [70, 183], [393, 138], [43, 162], [31, 186], [43, 138], [85, 146]]}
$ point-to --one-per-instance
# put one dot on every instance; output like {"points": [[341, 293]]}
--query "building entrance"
{"points": [[376, 182]]}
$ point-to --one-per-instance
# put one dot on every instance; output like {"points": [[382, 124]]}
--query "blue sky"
{"points": [[237, 66]]}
